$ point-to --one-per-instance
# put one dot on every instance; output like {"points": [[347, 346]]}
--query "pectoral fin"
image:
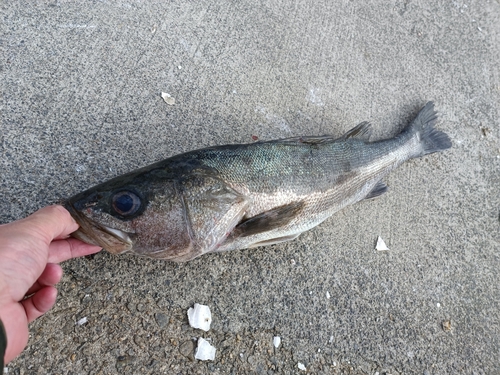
{"points": [[273, 219]]}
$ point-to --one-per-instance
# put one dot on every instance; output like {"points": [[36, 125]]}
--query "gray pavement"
{"points": [[81, 84]]}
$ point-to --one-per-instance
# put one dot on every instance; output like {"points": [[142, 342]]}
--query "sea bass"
{"points": [[244, 195]]}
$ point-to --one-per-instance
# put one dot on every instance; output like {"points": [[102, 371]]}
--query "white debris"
{"points": [[200, 317], [381, 246], [168, 99], [5, 370], [204, 351], [276, 341], [82, 321], [327, 295], [438, 304], [301, 366]]}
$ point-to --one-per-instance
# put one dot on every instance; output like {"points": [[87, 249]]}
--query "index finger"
{"points": [[49, 223], [62, 250]]}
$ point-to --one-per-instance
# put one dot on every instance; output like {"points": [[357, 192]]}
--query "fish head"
{"points": [[133, 213]]}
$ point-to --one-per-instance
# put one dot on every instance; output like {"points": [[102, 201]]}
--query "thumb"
{"points": [[48, 223]]}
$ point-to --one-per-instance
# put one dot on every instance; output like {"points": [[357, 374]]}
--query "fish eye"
{"points": [[126, 203]]}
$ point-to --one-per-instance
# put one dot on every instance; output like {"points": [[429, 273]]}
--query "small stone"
{"points": [[139, 341], [68, 328], [140, 307], [301, 366], [161, 319], [187, 349], [73, 357], [446, 325], [86, 299], [153, 363], [123, 361]]}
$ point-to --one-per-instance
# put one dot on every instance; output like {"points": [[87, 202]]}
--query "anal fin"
{"points": [[274, 241], [379, 189]]}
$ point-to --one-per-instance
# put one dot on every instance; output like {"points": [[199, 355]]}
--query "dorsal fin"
{"points": [[362, 131]]}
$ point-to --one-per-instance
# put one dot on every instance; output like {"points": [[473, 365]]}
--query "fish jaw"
{"points": [[113, 240]]}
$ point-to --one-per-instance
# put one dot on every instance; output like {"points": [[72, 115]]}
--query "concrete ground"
{"points": [[81, 84]]}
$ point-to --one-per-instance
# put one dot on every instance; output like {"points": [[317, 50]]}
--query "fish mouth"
{"points": [[113, 240]]}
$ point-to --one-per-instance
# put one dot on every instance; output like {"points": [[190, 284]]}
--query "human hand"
{"points": [[30, 249]]}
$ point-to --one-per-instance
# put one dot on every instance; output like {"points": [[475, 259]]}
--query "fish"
{"points": [[242, 196]]}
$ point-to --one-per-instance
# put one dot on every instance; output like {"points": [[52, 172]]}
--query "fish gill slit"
{"points": [[185, 212]]}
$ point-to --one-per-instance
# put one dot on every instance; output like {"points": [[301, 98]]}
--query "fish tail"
{"points": [[430, 139]]}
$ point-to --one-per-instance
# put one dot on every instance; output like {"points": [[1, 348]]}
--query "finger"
{"points": [[62, 250], [49, 277], [49, 223], [39, 303]]}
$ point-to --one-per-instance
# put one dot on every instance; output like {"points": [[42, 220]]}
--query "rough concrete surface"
{"points": [[81, 85]]}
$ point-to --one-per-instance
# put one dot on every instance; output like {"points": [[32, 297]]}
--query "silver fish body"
{"points": [[242, 196]]}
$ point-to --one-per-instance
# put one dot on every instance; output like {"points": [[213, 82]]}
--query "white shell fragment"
{"points": [[204, 351], [82, 321], [381, 246], [301, 366], [167, 98], [200, 317], [276, 341]]}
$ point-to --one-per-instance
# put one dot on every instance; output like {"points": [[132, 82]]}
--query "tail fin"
{"points": [[431, 140]]}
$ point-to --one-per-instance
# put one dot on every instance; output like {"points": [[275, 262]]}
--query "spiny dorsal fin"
{"points": [[362, 131], [379, 189], [311, 140], [266, 221]]}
